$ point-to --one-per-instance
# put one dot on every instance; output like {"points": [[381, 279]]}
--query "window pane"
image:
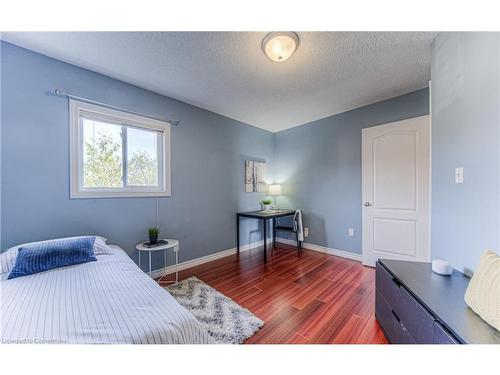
{"points": [[102, 155], [142, 156]]}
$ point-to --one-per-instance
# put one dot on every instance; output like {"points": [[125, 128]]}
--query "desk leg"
{"points": [[149, 263], [237, 234], [177, 264], [274, 233], [264, 222], [164, 265]]}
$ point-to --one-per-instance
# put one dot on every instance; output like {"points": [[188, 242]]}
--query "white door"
{"points": [[396, 191]]}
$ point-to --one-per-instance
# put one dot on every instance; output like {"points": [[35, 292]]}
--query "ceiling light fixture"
{"points": [[280, 45]]}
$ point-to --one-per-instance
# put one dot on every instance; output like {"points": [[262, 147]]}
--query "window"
{"points": [[117, 154]]}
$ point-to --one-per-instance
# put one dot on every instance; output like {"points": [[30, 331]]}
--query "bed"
{"points": [[110, 301]]}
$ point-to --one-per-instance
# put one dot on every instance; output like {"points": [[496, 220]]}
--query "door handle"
{"points": [[367, 204]]}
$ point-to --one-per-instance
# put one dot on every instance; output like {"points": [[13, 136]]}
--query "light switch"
{"points": [[306, 232], [459, 175], [350, 232]]}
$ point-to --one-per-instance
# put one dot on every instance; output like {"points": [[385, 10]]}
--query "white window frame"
{"points": [[76, 109]]}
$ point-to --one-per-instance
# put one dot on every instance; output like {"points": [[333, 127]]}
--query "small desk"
{"points": [[263, 216]]}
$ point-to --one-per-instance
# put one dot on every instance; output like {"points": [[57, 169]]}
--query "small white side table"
{"points": [[171, 245]]}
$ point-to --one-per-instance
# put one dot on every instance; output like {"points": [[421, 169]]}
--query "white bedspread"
{"points": [[110, 301]]}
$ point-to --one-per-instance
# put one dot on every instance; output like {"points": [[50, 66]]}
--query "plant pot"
{"points": [[153, 240], [266, 207]]}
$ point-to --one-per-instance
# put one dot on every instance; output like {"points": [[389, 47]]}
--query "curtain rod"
{"points": [[90, 101]]}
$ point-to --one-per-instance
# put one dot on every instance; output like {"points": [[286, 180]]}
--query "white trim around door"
{"points": [[396, 191]]}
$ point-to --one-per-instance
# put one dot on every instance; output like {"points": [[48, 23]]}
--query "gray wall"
{"points": [[319, 164], [208, 153], [1, 48], [465, 133]]}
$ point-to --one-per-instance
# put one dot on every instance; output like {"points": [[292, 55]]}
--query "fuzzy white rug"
{"points": [[225, 320]]}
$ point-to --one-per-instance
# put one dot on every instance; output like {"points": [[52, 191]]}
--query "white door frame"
{"points": [[428, 249]]}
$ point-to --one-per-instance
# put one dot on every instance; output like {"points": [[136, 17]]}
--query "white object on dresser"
{"points": [[170, 245], [442, 267]]}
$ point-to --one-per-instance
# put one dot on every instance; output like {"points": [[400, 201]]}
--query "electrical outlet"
{"points": [[306, 232], [459, 175], [350, 232]]}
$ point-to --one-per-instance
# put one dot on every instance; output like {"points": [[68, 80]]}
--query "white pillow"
{"points": [[483, 293], [7, 260], [100, 246], [8, 257]]}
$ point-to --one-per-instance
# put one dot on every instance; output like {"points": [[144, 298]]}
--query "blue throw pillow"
{"points": [[53, 254]]}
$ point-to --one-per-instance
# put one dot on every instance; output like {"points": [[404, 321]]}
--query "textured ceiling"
{"points": [[227, 73]]}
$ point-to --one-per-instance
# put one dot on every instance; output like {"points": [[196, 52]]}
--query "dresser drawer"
{"points": [[385, 284], [415, 317], [406, 310], [441, 335], [393, 327]]}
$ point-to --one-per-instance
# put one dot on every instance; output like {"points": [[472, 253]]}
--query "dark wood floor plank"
{"points": [[273, 326], [314, 298], [349, 333], [371, 333], [299, 339]]}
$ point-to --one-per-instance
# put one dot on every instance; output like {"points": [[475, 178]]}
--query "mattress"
{"points": [[110, 301]]}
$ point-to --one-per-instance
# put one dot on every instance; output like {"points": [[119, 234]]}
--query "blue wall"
{"points": [[319, 164], [465, 133], [208, 153], [1, 142]]}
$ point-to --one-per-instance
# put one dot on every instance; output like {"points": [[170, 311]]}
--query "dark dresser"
{"points": [[417, 306]]}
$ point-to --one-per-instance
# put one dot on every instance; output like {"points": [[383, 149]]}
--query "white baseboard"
{"points": [[322, 249], [224, 253], [205, 259]]}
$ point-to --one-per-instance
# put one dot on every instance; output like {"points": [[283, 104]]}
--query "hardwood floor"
{"points": [[314, 299]]}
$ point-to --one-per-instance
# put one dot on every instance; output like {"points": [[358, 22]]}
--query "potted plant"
{"points": [[267, 204], [153, 235]]}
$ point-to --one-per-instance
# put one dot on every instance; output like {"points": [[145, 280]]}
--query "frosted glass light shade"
{"points": [[274, 189], [279, 46]]}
